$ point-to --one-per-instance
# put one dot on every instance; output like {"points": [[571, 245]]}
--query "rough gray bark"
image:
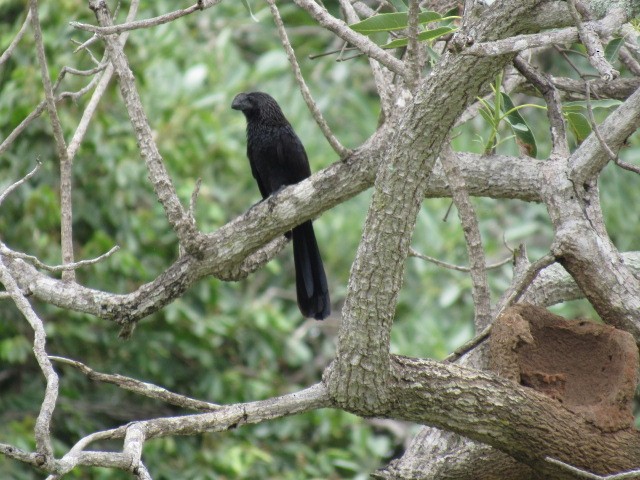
{"points": [[509, 431]]}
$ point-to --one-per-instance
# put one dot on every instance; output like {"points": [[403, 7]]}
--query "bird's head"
{"points": [[259, 106]]}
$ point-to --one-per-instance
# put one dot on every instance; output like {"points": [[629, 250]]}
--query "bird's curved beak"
{"points": [[240, 102]]}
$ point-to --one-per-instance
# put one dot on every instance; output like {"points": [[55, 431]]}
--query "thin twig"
{"points": [[85, 46], [592, 43], [91, 107], [471, 230], [4, 250], [66, 213], [383, 78], [451, 266], [594, 125], [411, 58], [554, 107], [521, 285], [42, 106], [194, 198], [564, 55], [468, 346], [163, 186], [306, 93], [142, 388], [6, 55], [15, 185], [42, 429], [603, 143], [342, 30], [147, 23], [593, 476], [30, 458]]}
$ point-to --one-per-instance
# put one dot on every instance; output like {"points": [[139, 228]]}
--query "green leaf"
{"points": [[524, 135], [422, 37], [386, 22], [612, 48], [248, 7], [577, 106], [400, 5], [579, 125]]}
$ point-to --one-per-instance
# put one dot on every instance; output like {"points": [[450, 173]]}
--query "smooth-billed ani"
{"points": [[277, 159]]}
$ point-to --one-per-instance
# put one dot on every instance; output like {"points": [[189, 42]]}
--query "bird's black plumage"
{"points": [[277, 159]]}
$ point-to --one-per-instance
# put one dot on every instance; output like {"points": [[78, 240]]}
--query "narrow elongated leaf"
{"points": [[422, 37], [248, 7], [579, 125], [386, 22], [611, 50], [524, 135], [580, 105], [400, 5]]}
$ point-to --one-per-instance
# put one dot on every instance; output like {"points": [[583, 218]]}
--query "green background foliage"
{"points": [[223, 342]]}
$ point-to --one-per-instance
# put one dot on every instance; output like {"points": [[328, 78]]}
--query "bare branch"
{"points": [[518, 43], [468, 346], [31, 458], [42, 428], [4, 250], [521, 284], [381, 75], [412, 60], [596, 130], [6, 55], [306, 94], [592, 43], [164, 189], [590, 157], [592, 476], [342, 30], [194, 198], [142, 388], [471, 230], [554, 106], [451, 266], [91, 107], [42, 106], [66, 224], [132, 448], [15, 185], [243, 238], [620, 88], [147, 23]]}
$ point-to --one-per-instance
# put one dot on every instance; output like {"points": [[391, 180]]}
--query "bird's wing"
{"points": [[292, 156], [253, 161]]}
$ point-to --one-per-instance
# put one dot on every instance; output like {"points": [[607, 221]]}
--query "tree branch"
{"points": [[176, 215], [66, 212], [471, 230], [342, 30], [306, 94], [147, 23], [136, 386], [6, 55], [42, 427]]}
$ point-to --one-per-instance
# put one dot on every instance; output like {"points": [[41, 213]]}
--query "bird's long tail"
{"points": [[311, 281]]}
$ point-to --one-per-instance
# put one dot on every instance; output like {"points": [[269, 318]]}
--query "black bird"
{"points": [[277, 159]]}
